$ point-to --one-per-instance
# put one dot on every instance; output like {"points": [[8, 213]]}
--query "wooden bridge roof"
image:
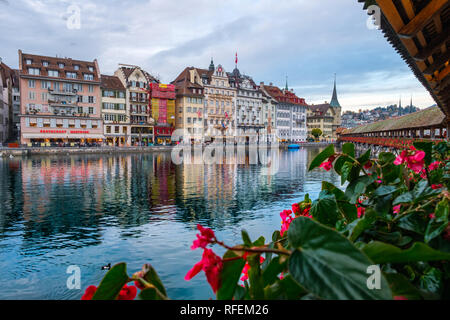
{"points": [[429, 117], [419, 30]]}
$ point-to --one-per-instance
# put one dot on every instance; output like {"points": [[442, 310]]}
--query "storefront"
{"points": [[63, 138]]}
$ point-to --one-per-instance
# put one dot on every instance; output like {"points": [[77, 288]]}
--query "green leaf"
{"points": [[431, 281], [406, 197], [230, 275], [357, 187], [255, 278], [384, 190], [401, 286], [325, 209], [437, 225], [365, 157], [328, 265], [152, 277], [112, 283], [150, 294], [380, 252], [246, 238], [363, 224], [270, 274], [321, 157], [349, 149], [345, 171], [286, 289], [340, 161], [346, 209]]}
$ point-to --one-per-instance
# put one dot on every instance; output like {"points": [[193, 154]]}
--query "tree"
{"points": [[316, 132]]}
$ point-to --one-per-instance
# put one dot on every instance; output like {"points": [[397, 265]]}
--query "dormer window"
{"points": [[91, 69], [28, 61], [53, 73], [88, 76], [71, 75], [61, 65], [45, 63], [34, 71], [76, 67]]}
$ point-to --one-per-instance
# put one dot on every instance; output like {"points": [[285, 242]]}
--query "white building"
{"points": [[6, 85], [290, 114]]}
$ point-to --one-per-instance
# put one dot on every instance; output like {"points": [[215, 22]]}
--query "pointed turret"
{"points": [[211, 65], [334, 100], [287, 87]]}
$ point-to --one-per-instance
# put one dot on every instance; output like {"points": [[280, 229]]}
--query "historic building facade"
{"points": [[219, 103], [137, 81], [189, 104], [269, 115], [162, 110], [60, 101], [248, 115], [326, 117], [114, 112], [6, 102], [290, 114]]}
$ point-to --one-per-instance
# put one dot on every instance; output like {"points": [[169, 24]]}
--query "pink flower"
{"points": [[368, 165], [89, 293], [432, 216], [327, 165], [205, 237], [379, 181], [127, 293], [434, 165], [361, 210], [286, 219], [396, 209], [212, 265], [436, 186], [296, 208], [401, 158], [416, 161]]}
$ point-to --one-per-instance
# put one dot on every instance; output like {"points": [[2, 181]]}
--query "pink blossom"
{"points": [[286, 219], [434, 165], [212, 265], [396, 209], [436, 186], [416, 161], [205, 237], [401, 158], [327, 165]]}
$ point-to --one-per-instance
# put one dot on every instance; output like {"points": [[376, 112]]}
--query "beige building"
{"points": [[115, 114], [189, 103], [326, 117], [136, 81]]}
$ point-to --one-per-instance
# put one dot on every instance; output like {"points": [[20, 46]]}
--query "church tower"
{"points": [[335, 109]]}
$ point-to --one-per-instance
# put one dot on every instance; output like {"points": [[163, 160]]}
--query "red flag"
{"points": [[236, 58]]}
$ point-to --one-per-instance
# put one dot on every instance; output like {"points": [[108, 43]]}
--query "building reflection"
{"points": [[70, 200]]}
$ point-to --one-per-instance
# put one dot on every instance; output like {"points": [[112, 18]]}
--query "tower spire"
{"points": [[287, 87], [334, 100], [211, 65]]}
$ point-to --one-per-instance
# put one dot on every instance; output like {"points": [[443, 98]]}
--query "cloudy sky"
{"points": [[306, 40]]}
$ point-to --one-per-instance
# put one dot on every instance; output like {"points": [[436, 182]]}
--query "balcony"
{"points": [[63, 93]]}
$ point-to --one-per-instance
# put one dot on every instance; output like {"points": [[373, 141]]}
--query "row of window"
{"points": [[56, 74], [58, 87], [113, 106], [61, 65], [65, 123], [113, 94]]}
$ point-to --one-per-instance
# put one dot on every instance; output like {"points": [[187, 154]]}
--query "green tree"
{"points": [[316, 132]]}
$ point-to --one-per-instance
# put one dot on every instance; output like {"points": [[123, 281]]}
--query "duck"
{"points": [[107, 267]]}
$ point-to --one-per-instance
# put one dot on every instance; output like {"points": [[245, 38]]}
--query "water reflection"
{"points": [[88, 210]]}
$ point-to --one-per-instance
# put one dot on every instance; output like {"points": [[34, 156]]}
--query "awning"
{"points": [[62, 136]]}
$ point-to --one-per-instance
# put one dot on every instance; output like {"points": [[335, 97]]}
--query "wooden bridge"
{"points": [[420, 32], [400, 132]]}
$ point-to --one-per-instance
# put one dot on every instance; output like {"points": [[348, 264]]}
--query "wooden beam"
{"points": [[422, 18], [443, 74], [433, 46], [438, 62]]}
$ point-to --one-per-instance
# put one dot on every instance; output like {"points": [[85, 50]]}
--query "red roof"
{"points": [[284, 95]]}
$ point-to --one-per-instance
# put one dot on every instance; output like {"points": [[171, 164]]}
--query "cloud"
{"points": [[307, 40]]}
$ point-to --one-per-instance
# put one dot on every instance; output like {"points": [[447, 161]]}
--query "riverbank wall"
{"points": [[23, 152]]}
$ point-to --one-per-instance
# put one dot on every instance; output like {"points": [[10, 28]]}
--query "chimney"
{"points": [[271, 84]]}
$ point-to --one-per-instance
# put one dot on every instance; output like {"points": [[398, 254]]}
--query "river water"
{"points": [[91, 210]]}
